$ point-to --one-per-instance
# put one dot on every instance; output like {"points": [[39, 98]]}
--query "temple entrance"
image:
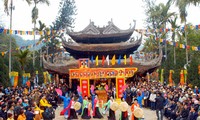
{"points": [[104, 80]]}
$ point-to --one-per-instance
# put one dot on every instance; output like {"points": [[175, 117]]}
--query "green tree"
{"points": [[4, 72], [35, 17], [173, 22], [22, 56], [35, 9], [182, 6], [6, 5], [157, 18], [65, 18]]}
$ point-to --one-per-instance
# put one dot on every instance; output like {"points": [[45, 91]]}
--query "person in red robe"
{"points": [[96, 112], [133, 107]]}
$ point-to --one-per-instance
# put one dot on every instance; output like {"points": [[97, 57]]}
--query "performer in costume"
{"points": [[71, 111], [66, 101], [111, 115], [80, 99], [124, 115], [96, 112], [85, 111], [133, 107], [92, 96]]}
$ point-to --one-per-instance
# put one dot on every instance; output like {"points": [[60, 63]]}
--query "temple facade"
{"points": [[89, 49]]}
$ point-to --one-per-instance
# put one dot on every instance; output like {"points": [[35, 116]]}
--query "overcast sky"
{"points": [[100, 11]]}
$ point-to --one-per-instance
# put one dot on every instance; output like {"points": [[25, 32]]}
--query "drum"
{"points": [[138, 113], [123, 106], [77, 106]]}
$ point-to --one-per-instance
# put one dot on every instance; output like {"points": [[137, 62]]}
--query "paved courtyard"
{"points": [[148, 114]]}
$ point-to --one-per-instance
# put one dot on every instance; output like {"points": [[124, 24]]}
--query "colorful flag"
{"points": [[182, 78], [170, 77], [161, 76], [131, 60], [185, 75], [119, 60], [2, 53], [103, 59], [97, 62], [124, 59], [92, 59], [107, 59], [113, 60]]}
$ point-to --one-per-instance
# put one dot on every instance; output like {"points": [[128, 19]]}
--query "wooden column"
{"points": [[70, 83]]}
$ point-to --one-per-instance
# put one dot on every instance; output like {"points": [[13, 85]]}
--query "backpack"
{"points": [[49, 113]]}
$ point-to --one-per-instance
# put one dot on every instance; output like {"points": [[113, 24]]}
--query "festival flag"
{"points": [[103, 59], [124, 59], [107, 59], [97, 62], [92, 59], [113, 60], [119, 60], [181, 77], [131, 60], [2, 53], [161, 76], [170, 77], [11, 32], [185, 75]]}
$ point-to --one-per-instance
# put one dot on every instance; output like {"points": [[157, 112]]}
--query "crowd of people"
{"points": [[173, 102]]}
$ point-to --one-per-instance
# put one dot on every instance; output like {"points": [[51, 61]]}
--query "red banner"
{"points": [[84, 87], [120, 84]]}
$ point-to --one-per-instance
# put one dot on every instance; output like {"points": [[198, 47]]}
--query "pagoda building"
{"points": [[100, 42]]}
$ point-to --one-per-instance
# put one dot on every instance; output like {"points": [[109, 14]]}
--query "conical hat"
{"points": [[123, 106], [138, 113], [77, 106], [114, 106]]}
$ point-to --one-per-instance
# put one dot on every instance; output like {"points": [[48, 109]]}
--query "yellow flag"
{"points": [[113, 60], [40, 32], [124, 59], [11, 31], [96, 59], [2, 53]]}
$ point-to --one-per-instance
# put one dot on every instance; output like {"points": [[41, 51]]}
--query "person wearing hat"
{"points": [[124, 114], [85, 109], [96, 112], [111, 115], [133, 107], [80, 100]]}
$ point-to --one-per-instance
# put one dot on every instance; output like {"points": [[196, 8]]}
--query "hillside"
{"points": [[22, 42]]}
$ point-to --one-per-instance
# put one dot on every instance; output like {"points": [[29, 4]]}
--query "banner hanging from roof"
{"points": [[95, 73]]}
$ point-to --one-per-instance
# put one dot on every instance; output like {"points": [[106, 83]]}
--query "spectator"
{"points": [[3, 112], [159, 100]]}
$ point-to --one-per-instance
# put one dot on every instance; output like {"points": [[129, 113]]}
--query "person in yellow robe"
{"points": [[44, 103], [38, 112], [21, 116]]}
